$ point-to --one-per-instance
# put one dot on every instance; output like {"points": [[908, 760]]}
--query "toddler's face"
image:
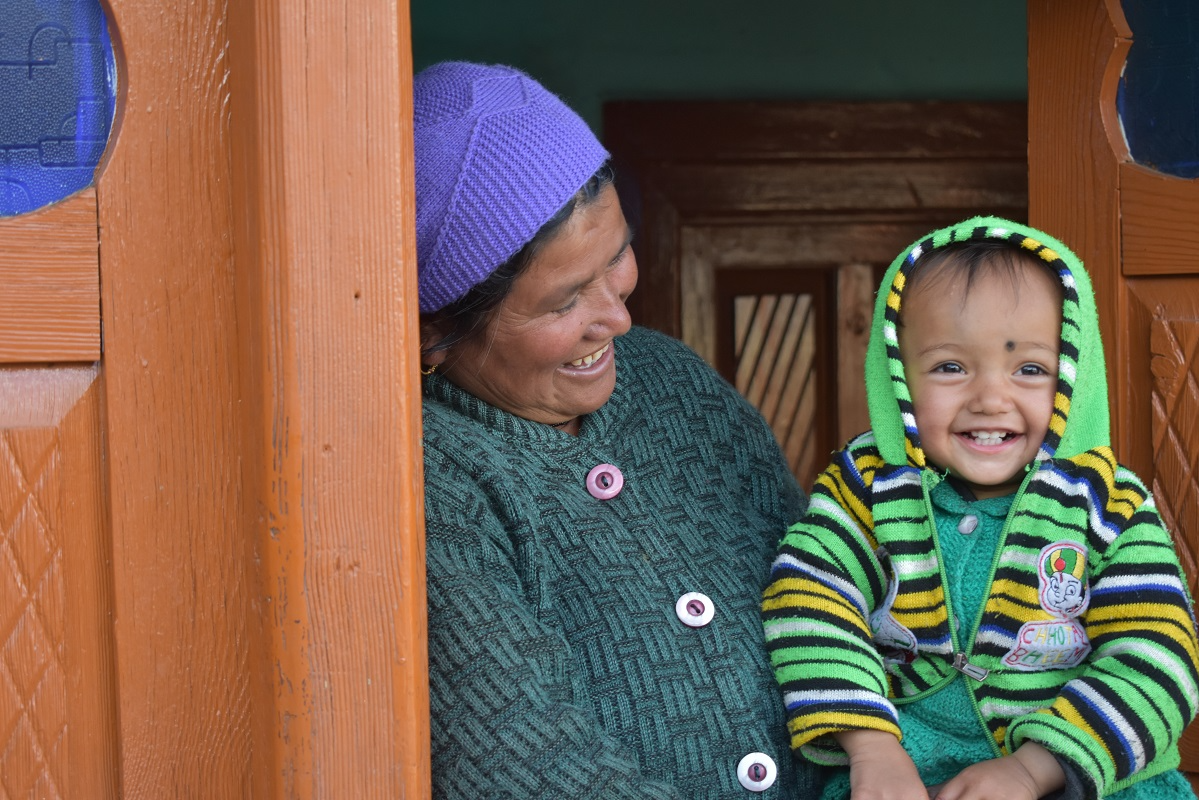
{"points": [[982, 371]]}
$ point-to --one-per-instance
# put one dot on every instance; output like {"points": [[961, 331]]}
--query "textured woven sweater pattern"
{"points": [[1086, 642], [558, 666]]}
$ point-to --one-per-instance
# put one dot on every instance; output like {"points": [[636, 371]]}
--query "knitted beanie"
{"points": [[497, 155]]}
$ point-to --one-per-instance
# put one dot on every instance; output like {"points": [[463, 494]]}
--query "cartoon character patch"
{"points": [[1059, 643], [895, 643], [1062, 579]]}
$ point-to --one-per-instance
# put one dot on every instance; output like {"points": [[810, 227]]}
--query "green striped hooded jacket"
{"points": [[856, 616]]}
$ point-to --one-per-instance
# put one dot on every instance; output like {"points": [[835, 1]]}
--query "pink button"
{"points": [[604, 482]]}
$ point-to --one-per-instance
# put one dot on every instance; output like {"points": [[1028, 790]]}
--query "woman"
{"points": [[601, 508]]}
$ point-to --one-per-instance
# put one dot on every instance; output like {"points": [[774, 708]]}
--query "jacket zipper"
{"points": [[960, 659], [960, 662]]}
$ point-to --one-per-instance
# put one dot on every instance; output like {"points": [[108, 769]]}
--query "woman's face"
{"points": [[548, 353]]}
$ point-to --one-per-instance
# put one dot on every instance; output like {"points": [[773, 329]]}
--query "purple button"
{"points": [[604, 482], [756, 772], [694, 609]]}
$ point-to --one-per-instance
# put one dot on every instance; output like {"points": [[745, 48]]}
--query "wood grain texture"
{"points": [[1158, 223], [57, 693], [823, 165], [782, 130], [704, 192], [50, 283], [1127, 224], [1077, 49], [182, 564], [856, 297], [327, 308]]}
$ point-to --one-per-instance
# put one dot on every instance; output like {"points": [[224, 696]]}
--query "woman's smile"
{"points": [[548, 355], [581, 364]]}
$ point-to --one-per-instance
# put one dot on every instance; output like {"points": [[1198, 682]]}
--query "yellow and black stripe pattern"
{"points": [[855, 615]]}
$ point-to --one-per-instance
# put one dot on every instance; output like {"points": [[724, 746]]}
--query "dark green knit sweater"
{"points": [[558, 667]]}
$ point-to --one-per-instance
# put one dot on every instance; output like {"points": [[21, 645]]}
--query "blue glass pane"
{"points": [[57, 92], [1156, 97]]}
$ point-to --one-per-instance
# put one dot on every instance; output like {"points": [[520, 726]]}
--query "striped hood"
{"points": [[1080, 419]]}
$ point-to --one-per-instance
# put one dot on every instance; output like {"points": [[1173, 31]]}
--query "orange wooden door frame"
{"points": [[1137, 232], [261, 409]]}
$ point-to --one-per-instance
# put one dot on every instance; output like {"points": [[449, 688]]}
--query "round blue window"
{"points": [[1156, 97], [58, 89]]}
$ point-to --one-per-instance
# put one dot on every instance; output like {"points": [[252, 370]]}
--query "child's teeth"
{"points": [[988, 437]]}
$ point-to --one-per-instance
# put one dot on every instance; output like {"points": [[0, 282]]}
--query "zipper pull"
{"points": [[970, 670]]}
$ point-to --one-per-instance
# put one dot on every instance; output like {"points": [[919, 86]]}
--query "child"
{"points": [[979, 599]]}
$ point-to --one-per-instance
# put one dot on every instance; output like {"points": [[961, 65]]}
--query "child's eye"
{"points": [[1032, 369], [949, 368]]}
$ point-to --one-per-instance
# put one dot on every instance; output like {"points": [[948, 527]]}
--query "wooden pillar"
{"points": [[263, 428]]}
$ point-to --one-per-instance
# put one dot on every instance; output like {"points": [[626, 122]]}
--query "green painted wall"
{"points": [[723, 49]]}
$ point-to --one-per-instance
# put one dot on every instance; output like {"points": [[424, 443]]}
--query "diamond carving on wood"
{"points": [[1174, 414], [32, 636]]}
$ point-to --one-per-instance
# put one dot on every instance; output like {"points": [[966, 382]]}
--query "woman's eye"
{"points": [[568, 306]]}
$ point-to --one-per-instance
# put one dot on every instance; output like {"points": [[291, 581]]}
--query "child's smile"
{"points": [[982, 370]]}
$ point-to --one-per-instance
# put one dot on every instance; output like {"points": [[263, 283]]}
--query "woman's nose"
{"points": [[615, 316]]}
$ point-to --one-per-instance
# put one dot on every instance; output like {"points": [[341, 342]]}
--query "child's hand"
{"points": [[1029, 773], [879, 767]]}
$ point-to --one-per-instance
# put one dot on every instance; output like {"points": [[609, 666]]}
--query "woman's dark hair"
{"points": [[464, 318]]}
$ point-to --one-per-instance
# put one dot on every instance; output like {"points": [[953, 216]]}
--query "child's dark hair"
{"points": [[464, 318], [971, 259]]}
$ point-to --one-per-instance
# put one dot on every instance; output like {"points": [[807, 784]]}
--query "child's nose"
{"points": [[991, 396]]}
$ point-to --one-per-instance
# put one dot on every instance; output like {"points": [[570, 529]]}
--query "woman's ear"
{"points": [[431, 335]]}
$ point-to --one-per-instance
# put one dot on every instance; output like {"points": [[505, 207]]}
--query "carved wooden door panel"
{"points": [[765, 227], [1136, 230], [58, 724], [211, 564]]}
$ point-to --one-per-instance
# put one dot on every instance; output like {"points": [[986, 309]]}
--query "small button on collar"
{"points": [[605, 482], [694, 609], [968, 524], [756, 772]]}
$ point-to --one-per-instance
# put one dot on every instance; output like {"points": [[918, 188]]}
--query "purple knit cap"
{"points": [[497, 156]]}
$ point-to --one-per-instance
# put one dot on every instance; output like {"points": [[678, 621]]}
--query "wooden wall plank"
{"points": [[50, 283], [714, 190], [784, 130], [263, 403], [181, 560], [327, 304]]}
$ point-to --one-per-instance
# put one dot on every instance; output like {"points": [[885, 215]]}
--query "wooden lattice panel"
{"points": [[774, 347], [1174, 415]]}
